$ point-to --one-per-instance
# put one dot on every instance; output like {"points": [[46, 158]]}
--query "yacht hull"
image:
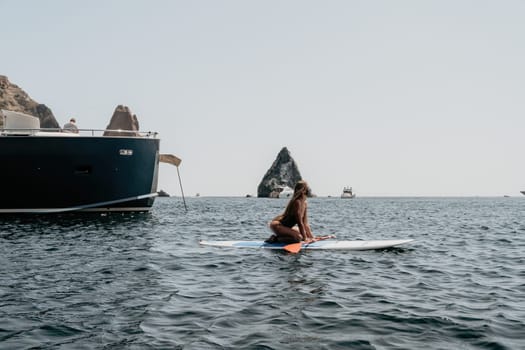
{"points": [[60, 174]]}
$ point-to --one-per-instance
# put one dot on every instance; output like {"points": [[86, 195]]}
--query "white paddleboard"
{"points": [[324, 244]]}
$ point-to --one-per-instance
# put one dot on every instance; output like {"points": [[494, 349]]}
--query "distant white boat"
{"points": [[348, 193], [286, 192]]}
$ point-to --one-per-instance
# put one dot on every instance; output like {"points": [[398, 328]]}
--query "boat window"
{"points": [[83, 170]]}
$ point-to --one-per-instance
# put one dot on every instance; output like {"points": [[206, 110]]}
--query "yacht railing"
{"points": [[81, 132]]}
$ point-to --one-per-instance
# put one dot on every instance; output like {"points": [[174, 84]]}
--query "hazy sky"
{"points": [[390, 97]]}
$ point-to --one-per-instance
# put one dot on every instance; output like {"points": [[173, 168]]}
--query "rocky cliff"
{"points": [[283, 172], [15, 99], [122, 119]]}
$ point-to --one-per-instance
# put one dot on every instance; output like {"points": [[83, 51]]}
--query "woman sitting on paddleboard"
{"points": [[292, 225]]}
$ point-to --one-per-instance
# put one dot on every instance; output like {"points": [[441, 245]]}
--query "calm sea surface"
{"points": [[141, 281]]}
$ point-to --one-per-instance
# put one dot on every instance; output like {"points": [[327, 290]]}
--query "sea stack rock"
{"points": [[13, 98], [123, 119], [283, 172]]}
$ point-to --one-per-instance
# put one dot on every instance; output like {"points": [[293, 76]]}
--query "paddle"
{"points": [[293, 247], [296, 247]]}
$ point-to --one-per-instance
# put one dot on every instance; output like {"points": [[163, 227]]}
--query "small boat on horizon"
{"points": [[522, 192], [348, 193]]}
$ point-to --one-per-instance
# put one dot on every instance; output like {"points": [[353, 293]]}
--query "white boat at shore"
{"points": [[348, 193], [286, 192]]}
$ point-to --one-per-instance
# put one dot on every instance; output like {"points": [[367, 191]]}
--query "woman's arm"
{"points": [[302, 220], [299, 215], [309, 234]]}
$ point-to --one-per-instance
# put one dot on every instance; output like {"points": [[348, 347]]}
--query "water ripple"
{"points": [[141, 281]]}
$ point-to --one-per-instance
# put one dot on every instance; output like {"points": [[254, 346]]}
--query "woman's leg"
{"points": [[285, 234]]}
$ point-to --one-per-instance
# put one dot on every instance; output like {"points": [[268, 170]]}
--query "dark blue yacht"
{"points": [[52, 171]]}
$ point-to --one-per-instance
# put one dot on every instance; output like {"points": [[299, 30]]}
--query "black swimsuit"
{"points": [[288, 221]]}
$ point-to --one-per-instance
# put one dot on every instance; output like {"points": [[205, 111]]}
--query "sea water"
{"points": [[141, 281]]}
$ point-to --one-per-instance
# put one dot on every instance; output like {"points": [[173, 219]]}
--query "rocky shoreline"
{"points": [[13, 98]]}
